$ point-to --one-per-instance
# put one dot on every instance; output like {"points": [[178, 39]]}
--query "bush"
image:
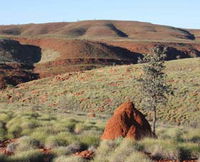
{"points": [[4, 117], [39, 136], [89, 140], [161, 148], [67, 136], [105, 149], [3, 158], [189, 150], [70, 149], [137, 157], [122, 151], [69, 159], [55, 141], [79, 128], [2, 134], [30, 156], [14, 131], [26, 143], [192, 135]]}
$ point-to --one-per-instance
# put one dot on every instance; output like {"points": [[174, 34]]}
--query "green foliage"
{"points": [[153, 83], [30, 156], [69, 159], [137, 156], [55, 141], [26, 143], [52, 131]]}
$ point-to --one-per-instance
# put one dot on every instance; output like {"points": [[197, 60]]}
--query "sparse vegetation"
{"points": [[99, 91], [52, 132], [53, 118]]}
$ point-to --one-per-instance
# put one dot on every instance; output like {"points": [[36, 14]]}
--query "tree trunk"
{"points": [[154, 121]]}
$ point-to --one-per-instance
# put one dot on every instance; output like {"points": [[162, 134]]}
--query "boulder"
{"points": [[127, 122]]}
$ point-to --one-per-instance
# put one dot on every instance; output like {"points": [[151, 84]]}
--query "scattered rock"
{"points": [[128, 122]]}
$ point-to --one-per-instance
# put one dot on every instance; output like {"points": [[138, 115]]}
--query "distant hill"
{"points": [[100, 29]]}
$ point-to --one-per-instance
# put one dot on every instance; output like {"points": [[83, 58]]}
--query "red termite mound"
{"points": [[128, 122]]}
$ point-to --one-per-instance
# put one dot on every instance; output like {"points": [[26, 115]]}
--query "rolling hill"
{"points": [[101, 90], [33, 51], [104, 29]]}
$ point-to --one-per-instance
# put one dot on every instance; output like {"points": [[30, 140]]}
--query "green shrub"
{"points": [[69, 159], [161, 148], [89, 140], [192, 135], [80, 127], [3, 158], [30, 156], [137, 157], [55, 141], [40, 136], [105, 149], [14, 131], [67, 136], [3, 134], [61, 150], [67, 150], [4, 117], [122, 151], [189, 150], [26, 143]]}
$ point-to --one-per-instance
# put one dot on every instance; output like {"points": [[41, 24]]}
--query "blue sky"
{"points": [[179, 13]]}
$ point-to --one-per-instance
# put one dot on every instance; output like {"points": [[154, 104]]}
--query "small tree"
{"points": [[153, 84]]}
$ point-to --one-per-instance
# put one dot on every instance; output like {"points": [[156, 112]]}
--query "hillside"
{"points": [[103, 89], [104, 29], [33, 51], [17, 62], [49, 57]]}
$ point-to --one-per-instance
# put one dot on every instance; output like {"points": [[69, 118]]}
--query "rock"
{"points": [[87, 154], [128, 122], [91, 115]]}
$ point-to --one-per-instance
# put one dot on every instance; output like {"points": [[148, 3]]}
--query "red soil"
{"points": [[85, 54], [127, 122], [183, 49], [4, 144]]}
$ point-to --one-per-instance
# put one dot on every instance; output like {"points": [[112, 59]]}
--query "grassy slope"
{"points": [[67, 133], [105, 88]]}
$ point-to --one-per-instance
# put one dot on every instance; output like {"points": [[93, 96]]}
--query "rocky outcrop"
{"points": [[127, 122]]}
